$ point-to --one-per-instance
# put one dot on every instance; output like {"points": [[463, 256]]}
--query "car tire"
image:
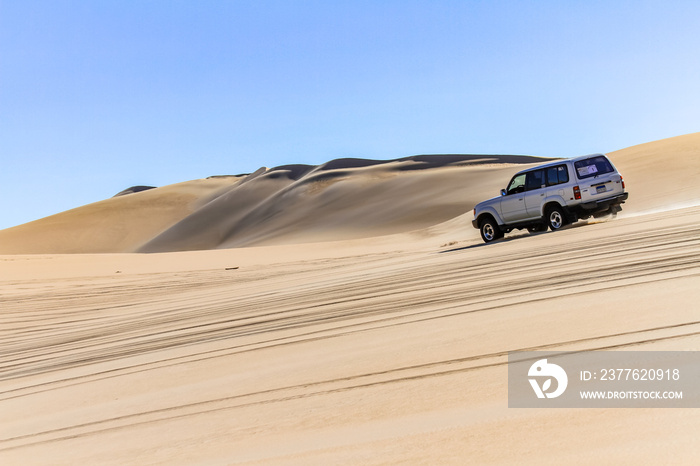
{"points": [[490, 231], [555, 218]]}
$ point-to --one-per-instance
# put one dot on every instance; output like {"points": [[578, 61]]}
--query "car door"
{"points": [[513, 202], [535, 192], [557, 177]]}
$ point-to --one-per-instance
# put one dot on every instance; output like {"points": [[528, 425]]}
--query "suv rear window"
{"points": [[593, 167]]}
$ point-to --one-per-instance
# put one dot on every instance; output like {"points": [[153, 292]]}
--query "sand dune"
{"points": [[661, 173], [375, 358], [341, 199], [117, 224], [366, 350]]}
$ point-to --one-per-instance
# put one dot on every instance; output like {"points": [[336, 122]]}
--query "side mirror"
{"points": [[503, 192]]}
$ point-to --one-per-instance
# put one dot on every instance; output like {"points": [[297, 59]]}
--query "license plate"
{"points": [[600, 189]]}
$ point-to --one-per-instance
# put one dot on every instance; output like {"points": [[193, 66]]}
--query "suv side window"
{"points": [[593, 167], [534, 180], [557, 175], [517, 184]]}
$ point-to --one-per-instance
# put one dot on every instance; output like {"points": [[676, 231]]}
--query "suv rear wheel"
{"points": [[490, 231], [555, 218]]}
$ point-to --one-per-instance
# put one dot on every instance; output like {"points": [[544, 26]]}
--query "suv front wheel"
{"points": [[490, 231], [555, 218]]}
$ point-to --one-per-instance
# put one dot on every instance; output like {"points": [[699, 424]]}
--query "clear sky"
{"points": [[100, 95]]}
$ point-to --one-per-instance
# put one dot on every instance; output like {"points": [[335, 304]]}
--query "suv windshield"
{"points": [[593, 167]]}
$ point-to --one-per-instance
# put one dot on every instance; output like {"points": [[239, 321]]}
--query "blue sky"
{"points": [[97, 96]]}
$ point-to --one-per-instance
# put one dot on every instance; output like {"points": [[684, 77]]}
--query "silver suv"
{"points": [[553, 195]]}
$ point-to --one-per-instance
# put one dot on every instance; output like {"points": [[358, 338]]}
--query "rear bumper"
{"points": [[603, 204]]}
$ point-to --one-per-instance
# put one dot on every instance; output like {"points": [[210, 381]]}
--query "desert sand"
{"points": [[341, 314]]}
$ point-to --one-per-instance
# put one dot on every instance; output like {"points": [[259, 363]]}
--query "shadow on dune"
{"points": [[351, 163], [290, 172], [422, 162], [341, 199], [463, 248], [443, 160], [133, 189]]}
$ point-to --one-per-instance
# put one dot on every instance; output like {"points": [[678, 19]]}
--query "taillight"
{"points": [[622, 180], [577, 193]]}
